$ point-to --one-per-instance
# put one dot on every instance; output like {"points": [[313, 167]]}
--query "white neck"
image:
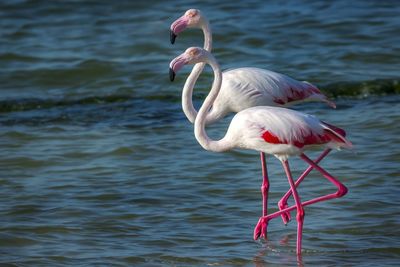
{"points": [[207, 35], [199, 125], [187, 92]]}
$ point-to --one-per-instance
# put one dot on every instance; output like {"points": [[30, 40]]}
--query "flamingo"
{"points": [[243, 88], [272, 130]]}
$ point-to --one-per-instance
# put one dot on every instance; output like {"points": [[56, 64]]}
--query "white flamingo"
{"points": [[272, 130], [244, 88]]}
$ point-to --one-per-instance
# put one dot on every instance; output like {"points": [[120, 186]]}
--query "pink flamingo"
{"points": [[272, 130], [244, 88]]}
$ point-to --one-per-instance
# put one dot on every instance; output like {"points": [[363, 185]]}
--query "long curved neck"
{"points": [[187, 92], [199, 125], [207, 36]]}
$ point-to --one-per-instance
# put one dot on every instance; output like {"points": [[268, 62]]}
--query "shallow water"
{"points": [[99, 166]]}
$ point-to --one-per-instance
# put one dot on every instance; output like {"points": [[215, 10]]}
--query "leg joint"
{"points": [[264, 187], [342, 191], [300, 215]]}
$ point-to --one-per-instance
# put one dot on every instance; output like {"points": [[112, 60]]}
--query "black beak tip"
{"points": [[172, 36], [171, 74]]}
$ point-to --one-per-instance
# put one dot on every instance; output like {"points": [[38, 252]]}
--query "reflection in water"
{"points": [[269, 250]]}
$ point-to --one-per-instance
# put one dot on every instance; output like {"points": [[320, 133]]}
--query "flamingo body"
{"points": [[281, 132], [247, 87]]}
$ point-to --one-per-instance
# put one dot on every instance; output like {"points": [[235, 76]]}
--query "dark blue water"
{"points": [[99, 166]]}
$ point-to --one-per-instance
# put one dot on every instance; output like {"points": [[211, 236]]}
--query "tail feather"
{"points": [[323, 98], [318, 95], [337, 135], [335, 128]]}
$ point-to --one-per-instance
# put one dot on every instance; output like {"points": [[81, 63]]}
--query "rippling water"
{"points": [[99, 166]]}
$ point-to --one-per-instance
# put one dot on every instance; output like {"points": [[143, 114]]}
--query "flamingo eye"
{"points": [[192, 13], [193, 52]]}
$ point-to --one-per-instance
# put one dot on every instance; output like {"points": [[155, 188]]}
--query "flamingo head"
{"points": [[192, 55], [191, 19]]}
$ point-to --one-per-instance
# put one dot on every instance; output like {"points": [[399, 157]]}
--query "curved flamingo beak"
{"points": [[177, 27], [175, 65]]}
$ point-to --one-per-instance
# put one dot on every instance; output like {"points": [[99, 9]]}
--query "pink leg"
{"points": [[261, 229], [341, 191], [282, 204], [265, 184], [299, 207]]}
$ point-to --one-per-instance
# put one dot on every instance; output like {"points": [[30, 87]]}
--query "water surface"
{"points": [[99, 166]]}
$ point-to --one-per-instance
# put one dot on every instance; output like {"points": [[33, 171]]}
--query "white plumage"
{"points": [[248, 87], [281, 132], [273, 130]]}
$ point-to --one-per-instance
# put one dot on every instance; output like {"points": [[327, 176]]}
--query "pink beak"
{"points": [[175, 65], [177, 27]]}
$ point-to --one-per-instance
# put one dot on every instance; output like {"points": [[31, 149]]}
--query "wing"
{"points": [[273, 88], [280, 126]]}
